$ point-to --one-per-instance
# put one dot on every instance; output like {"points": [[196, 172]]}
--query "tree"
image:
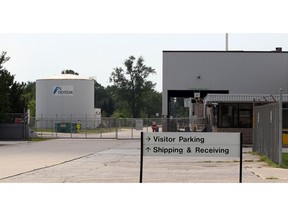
{"points": [[10, 91], [153, 104], [6, 81], [103, 99], [69, 72], [29, 96], [132, 84], [16, 100]]}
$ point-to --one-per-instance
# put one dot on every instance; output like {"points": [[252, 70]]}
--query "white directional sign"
{"points": [[187, 102], [191, 144]]}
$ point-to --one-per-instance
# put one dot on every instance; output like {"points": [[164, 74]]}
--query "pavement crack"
{"points": [[46, 166]]}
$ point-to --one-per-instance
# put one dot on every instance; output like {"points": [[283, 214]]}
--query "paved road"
{"points": [[117, 161]]}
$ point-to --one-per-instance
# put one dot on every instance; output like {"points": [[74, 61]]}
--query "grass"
{"points": [[271, 178], [39, 139], [285, 160], [272, 163]]}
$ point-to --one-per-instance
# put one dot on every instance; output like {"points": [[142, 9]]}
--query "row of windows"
{"points": [[235, 115]]}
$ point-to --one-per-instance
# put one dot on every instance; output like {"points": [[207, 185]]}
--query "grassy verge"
{"points": [[285, 160], [272, 163], [39, 139]]}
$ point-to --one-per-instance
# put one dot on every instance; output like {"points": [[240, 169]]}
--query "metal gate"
{"points": [[109, 128]]}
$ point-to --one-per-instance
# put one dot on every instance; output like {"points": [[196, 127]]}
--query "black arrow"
{"points": [[147, 149], [148, 139]]}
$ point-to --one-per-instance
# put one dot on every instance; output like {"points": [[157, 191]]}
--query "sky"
{"points": [[47, 38], [35, 56]]}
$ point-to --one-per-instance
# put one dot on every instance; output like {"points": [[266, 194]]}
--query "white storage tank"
{"points": [[65, 96]]}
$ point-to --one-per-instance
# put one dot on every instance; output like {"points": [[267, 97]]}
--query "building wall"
{"points": [[12, 132], [237, 71]]}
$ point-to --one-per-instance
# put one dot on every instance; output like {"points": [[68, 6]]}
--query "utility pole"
{"points": [[226, 42]]}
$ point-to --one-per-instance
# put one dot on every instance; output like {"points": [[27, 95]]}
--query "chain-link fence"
{"points": [[110, 128], [267, 130]]}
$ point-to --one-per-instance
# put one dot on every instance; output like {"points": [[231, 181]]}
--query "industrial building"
{"points": [[222, 86]]}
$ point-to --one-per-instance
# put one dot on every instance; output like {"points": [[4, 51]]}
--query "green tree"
{"points": [[16, 100], [132, 84], [29, 96], [109, 107], [6, 81], [103, 99], [153, 104], [10, 91]]}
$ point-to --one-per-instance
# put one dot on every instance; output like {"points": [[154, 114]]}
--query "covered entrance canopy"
{"points": [[242, 98], [234, 112]]}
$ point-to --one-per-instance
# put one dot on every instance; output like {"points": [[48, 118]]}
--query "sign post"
{"points": [[241, 157], [189, 144], [141, 158]]}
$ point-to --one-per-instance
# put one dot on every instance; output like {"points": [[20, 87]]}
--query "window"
{"points": [[235, 115]]}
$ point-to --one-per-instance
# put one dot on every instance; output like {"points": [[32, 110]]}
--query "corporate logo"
{"points": [[63, 90]]}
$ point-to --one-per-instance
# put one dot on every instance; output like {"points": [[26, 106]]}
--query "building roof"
{"points": [[243, 98], [224, 51]]}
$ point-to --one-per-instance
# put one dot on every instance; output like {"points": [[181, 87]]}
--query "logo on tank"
{"points": [[63, 90]]}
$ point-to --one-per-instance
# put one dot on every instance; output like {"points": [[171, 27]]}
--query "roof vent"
{"points": [[278, 49]]}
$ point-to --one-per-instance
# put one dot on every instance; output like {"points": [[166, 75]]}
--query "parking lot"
{"points": [[118, 161]]}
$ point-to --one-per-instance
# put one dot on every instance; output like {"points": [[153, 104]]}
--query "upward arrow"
{"points": [[147, 149]]}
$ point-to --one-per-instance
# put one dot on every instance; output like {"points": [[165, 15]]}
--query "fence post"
{"points": [[24, 123], [280, 126], [41, 126], [56, 126], [52, 128], [254, 122], [132, 126], [86, 127], [71, 125], [116, 123]]}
